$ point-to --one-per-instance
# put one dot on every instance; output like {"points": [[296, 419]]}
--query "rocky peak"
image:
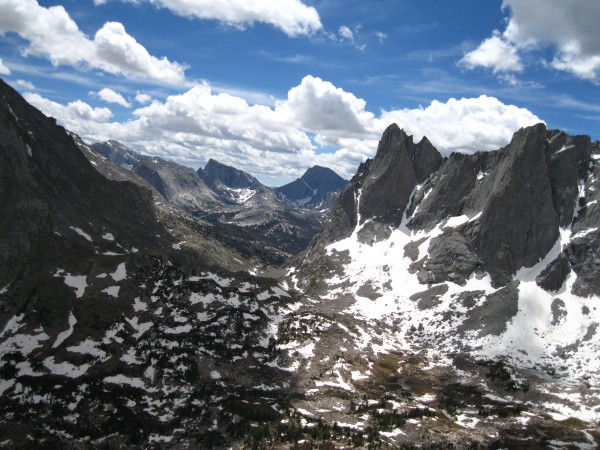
{"points": [[216, 173], [318, 188], [397, 168], [518, 224], [323, 179], [382, 186]]}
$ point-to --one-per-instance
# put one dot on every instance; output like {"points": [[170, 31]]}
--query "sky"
{"points": [[274, 87]]}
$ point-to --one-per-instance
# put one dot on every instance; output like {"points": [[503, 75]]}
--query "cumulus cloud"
{"points": [[110, 96], [142, 98], [570, 29], [318, 105], [292, 17], [467, 125], [4, 70], [346, 33], [494, 53], [318, 123], [73, 115], [54, 35]]}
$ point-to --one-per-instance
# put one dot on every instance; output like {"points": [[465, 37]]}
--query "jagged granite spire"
{"points": [[382, 187]]}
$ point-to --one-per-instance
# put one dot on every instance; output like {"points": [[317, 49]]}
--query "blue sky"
{"points": [[276, 86]]}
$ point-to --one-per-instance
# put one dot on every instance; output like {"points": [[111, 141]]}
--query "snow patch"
{"points": [[120, 274], [77, 282], [65, 334], [113, 291], [82, 233]]}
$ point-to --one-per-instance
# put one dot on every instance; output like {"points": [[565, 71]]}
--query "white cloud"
{"points": [[292, 17], [110, 96], [346, 33], [494, 53], [318, 105], [142, 98], [4, 70], [381, 36], [53, 34], [465, 125], [318, 123], [74, 115], [568, 28], [23, 84]]}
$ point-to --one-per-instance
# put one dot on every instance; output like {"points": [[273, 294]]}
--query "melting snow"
{"points": [[65, 334], [89, 347], [124, 380], [120, 274], [82, 233], [113, 291], [77, 282], [65, 368], [138, 305]]}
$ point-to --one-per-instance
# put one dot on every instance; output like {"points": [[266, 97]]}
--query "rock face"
{"points": [[382, 187], [516, 192], [217, 174], [50, 192], [513, 202]]}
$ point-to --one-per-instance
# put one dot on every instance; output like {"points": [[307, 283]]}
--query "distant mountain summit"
{"points": [[178, 184], [318, 188], [218, 175]]}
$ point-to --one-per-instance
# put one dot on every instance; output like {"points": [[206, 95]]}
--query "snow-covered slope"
{"points": [[492, 261]]}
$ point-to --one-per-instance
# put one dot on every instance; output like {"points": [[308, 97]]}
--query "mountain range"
{"points": [[284, 219], [443, 303]]}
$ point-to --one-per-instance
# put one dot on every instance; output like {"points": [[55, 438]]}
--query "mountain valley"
{"points": [[279, 221]]}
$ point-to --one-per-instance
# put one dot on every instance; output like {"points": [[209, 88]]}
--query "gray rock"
{"points": [[430, 298], [555, 274], [493, 315], [559, 311], [518, 225], [450, 258], [397, 168]]}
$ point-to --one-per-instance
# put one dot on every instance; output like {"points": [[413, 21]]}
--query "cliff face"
{"points": [[515, 201], [48, 189]]}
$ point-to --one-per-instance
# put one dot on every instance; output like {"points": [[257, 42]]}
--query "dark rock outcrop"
{"points": [[397, 168], [555, 274], [49, 191], [518, 224]]}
